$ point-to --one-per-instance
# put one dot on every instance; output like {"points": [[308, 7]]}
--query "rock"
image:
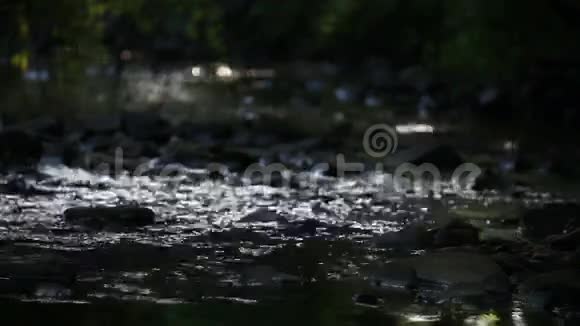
{"points": [[442, 156], [367, 300], [415, 236], [513, 264], [568, 241], [450, 274], [499, 234], [238, 235], [456, 233], [456, 268], [495, 214], [552, 290], [19, 186], [263, 215], [19, 148], [263, 275], [394, 276], [104, 217], [307, 227], [551, 219]]}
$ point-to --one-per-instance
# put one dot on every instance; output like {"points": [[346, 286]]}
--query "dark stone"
{"points": [[568, 241], [445, 275], [367, 299], [238, 235], [444, 157], [263, 215], [411, 237], [513, 264], [456, 233], [19, 186], [394, 276], [307, 227], [19, 148], [551, 219], [105, 217], [552, 290]]}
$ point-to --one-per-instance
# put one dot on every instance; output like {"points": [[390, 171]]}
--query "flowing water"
{"points": [[223, 250]]}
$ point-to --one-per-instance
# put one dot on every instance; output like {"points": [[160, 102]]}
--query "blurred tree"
{"points": [[492, 39]]}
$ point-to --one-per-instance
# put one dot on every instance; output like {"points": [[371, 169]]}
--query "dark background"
{"points": [[525, 52]]}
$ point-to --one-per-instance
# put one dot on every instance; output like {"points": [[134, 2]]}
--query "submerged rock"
{"points": [[235, 235], [551, 219], [19, 186], [415, 236], [444, 157], [449, 274], [104, 217], [568, 241], [456, 233], [263, 215], [557, 289], [394, 276], [308, 227]]}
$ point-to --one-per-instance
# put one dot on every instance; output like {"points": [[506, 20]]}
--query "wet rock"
{"points": [[19, 148], [551, 219], [236, 159], [552, 290], [514, 265], [105, 217], [263, 215], [307, 227], [444, 157], [499, 234], [263, 275], [568, 241], [415, 236], [451, 274], [456, 233], [394, 276], [238, 235], [19, 186], [367, 300]]}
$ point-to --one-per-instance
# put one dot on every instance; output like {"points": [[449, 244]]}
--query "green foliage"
{"points": [[496, 39]]}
